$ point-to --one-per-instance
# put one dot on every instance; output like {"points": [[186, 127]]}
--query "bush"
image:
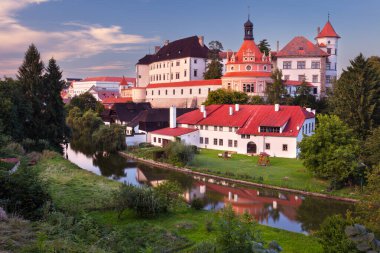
{"points": [[170, 195], [34, 156], [109, 138], [204, 247], [48, 154], [158, 155], [14, 148], [197, 204], [145, 145], [23, 193], [332, 236], [178, 153]]}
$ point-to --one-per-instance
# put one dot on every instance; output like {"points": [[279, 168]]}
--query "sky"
{"points": [[107, 37]]}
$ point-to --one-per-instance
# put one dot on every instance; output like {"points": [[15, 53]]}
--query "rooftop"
{"points": [[301, 47], [178, 131], [186, 83]]}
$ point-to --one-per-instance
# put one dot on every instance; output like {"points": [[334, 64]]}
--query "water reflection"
{"points": [[283, 210]]}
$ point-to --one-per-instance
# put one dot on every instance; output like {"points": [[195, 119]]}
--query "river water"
{"points": [[289, 211]]}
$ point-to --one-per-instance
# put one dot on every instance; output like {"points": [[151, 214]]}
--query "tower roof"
{"points": [[328, 31], [248, 23], [301, 47]]}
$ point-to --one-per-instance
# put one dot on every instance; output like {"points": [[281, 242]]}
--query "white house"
{"points": [[245, 129]]}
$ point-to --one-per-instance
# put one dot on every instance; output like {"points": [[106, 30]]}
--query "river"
{"points": [[289, 211]]}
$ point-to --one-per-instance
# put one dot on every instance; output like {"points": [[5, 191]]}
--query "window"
{"points": [[152, 92], [220, 142], [329, 50], [177, 63], [166, 92], [249, 87], [191, 91], [184, 73], [265, 67], [284, 147], [230, 129], [201, 127], [235, 144], [230, 143], [248, 67], [159, 92], [206, 127], [215, 141], [154, 139], [301, 78], [267, 145], [195, 61], [159, 140], [315, 91], [301, 64], [286, 77], [287, 65], [245, 136], [171, 76], [163, 77], [185, 61], [235, 129], [315, 65], [221, 128], [199, 91], [229, 86], [315, 78], [173, 92], [265, 129], [206, 140], [195, 72], [201, 140], [215, 128], [177, 75], [328, 79], [181, 91], [232, 68], [328, 65]]}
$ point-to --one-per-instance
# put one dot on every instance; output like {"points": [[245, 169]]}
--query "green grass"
{"points": [[72, 188], [192, 225]]}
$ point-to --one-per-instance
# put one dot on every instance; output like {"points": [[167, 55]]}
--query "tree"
{"points": [[276, 91], [264, 46], [332, 152], [371, 150], [109, 138], [356, 96], [85, 102], [256, 100], [83, 125], [55, 113], [223, 96], [214, 67], [368, 208], [304, 97]]}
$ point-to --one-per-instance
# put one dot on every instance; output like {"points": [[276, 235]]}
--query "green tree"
{"points": [[264, 46], [368, 208], [332, 152], [85, 102], [304, 97], [83, 125], [109, 138], [223, 96], [178, 153], [214, 68], [256, 100], [276, 91], [356, 96], [371, 150]]}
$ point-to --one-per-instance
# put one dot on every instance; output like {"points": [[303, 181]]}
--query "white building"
{"points": [[177, 61], [105, 83], [245, 129]]}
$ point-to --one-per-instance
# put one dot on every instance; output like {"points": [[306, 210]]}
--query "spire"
{"points": [[328, 30], [248, 30]]}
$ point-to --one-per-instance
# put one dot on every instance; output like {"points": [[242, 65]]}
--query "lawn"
{"points": [[73, 189]]}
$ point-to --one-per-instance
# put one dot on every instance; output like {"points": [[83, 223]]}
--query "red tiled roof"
{"points": [[328, 31], [248, 74], [300, 47], [250, 117], [116, 100], [223, 55], [186, 83], [178, 131], [108, 79], [248, 45], [127, 80], [295, 83]]}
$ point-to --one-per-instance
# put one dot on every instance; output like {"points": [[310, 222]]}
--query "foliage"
{"points": [[264, 46], [356, 96], [109, 138], [304, 97], [170, 194], [178, 153], [364, 240], [13, 148], [215, 47], [332, 236], [223, 96], [214, 70], [197, 203], [332, 152], [371, 150], [276, 91], [83, 125], [85, 102], [368, 208], [23, 193], [204, 247], [236, 233], [256, 100]]}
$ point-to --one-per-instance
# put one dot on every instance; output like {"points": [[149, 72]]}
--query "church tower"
{"points": [[327, 40], [248, 29]]}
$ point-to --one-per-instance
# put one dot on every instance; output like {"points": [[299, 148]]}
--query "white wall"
{"points": [[133, 140], [142, 75], [82, 87]]}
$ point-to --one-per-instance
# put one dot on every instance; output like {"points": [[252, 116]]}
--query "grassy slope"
{"points": [[73, 188]]}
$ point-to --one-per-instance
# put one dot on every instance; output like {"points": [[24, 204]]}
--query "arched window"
{"points": [[265, 67]]}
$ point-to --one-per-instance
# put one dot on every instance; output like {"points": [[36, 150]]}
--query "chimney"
{"points": [[172, 117], [298, 128], [318, 30], [237, 107], [156, 49], [166, 42], [231, 110], [308, 109], [314, 112], [277, 107], [203, 107], [278, 46], [204, 114], [201, 41]]}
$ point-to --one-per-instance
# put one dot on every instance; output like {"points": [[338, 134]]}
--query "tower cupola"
{"points": [[248, 30]]}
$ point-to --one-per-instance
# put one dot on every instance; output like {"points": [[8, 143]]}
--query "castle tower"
{"points": [[327, 40], [248, 30]]}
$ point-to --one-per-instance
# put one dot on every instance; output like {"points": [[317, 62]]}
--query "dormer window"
{"points": [[265, 129]]}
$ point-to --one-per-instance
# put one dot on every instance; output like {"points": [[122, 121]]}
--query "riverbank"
{"points": [[73, 189], [284, 174]]}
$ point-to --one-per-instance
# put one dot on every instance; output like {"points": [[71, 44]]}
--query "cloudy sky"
{"points": [[107, 37]]}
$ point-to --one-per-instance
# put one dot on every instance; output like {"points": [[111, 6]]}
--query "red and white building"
{"points": [[245, 129]]}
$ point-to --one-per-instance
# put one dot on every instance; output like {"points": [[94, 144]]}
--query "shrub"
{"points": [[197, 203], [145, 145], [170, 195], [109, 138], [209, 226], [14, 148], [178, 153], [157, 155], [47, 154], [34, 156], [204, 247]]}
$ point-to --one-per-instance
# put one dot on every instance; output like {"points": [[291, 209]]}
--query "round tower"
{"points": [[248, 30]]}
